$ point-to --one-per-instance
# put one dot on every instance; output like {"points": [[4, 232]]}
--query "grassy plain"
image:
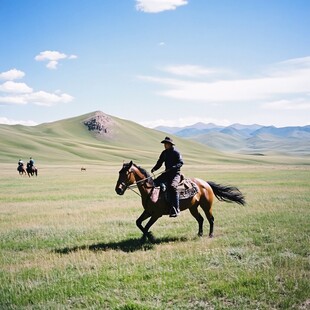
{"points": [[67, 241]]}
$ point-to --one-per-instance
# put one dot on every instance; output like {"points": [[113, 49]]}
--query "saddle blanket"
{"points": [[186, 189]]}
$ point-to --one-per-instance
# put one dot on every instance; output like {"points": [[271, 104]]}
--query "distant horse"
{"points": [[31, 170], [83, 169], [131, 175], [22, 169]]}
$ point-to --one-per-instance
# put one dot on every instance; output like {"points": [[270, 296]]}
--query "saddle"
{"points": [[186, 189]]}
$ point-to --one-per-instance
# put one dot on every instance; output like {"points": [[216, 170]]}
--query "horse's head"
{"points": [[125, 179]]}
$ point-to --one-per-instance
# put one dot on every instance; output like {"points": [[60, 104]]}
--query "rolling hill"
{"points": [[98, 138], [93, 138]]}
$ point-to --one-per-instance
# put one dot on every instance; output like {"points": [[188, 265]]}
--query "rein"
{"points": [[132, 186], [137, 183]]}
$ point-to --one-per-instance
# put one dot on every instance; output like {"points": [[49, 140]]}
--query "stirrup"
{"points": [[174, 212]]}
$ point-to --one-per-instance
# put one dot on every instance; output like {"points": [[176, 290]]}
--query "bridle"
{"points": [[136, 184]]}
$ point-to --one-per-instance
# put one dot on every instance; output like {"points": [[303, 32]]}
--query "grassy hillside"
{"points": [[70, 141]]}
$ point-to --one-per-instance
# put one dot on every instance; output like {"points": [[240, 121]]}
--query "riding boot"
{"points": [[175, 205]]}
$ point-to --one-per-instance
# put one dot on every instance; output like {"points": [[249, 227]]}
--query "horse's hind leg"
{"points": [[208, 212], [195, 213], [210, 218]]}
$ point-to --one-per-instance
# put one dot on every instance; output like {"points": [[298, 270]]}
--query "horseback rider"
{"points": [[172, 175], [20, 165], [31, 162], [30, 165]]}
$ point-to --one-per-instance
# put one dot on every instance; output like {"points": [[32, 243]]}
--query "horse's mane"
{"points": [[145, 173]]}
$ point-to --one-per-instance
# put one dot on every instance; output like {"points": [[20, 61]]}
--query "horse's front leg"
{"points": [[141, 218], [145, 230]]}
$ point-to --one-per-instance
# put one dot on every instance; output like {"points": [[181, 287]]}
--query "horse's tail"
{"points": [[227, 193]]}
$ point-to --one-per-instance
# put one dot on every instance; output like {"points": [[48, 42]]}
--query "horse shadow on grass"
{"points": [[127, 245]]}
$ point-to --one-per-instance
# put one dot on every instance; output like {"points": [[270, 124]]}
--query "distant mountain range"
{"points": [[251, 139]]}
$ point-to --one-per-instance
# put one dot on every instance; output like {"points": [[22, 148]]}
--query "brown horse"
{"points": [[131, 175], [21, 169], [31, 170]]}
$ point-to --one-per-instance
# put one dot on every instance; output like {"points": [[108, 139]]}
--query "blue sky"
{"points": [[156, 62]]}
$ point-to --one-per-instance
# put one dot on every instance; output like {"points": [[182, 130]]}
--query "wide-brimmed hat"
{"points": [[167, 140]]}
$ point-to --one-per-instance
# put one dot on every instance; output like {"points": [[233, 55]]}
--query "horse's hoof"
{"points": [[200, 234], [151, 237], [143, 239], [211, 235]]}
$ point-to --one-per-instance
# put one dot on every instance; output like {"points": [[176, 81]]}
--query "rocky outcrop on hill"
{"points": [[100, 123]]}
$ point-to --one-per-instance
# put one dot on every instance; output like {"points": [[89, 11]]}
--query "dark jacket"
{"points": [[172, 159]]}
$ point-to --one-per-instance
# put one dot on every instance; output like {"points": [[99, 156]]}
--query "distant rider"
{"points": [[172, 175], [31, 162], [20, 165]]}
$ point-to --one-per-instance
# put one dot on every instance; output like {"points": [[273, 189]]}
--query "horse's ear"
{"points": [[130, 164]]}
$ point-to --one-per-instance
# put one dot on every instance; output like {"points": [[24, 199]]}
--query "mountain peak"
{"points": [[100, 123]]}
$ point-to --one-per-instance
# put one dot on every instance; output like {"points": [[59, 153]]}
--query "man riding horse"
{"points": [[172, 175], [31, 162], [21, 168], [31, 169]]}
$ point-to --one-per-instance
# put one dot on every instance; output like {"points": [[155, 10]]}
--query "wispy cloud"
{"points": [[52, 58], [156, 6], [19, 93], [189, 70], [294, 104], [283, 80]]}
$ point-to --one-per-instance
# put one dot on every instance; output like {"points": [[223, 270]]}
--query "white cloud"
{"points": [[47, 99], [7, 121], [287, 79], [40, 98], [53, 58], [20, 93], [156, 6], [50, 55], [14, 100], [12, 74], [13, 87], [52, 64]]}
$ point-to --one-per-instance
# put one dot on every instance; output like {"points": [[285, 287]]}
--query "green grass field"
{"points": [[69, 242]]}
